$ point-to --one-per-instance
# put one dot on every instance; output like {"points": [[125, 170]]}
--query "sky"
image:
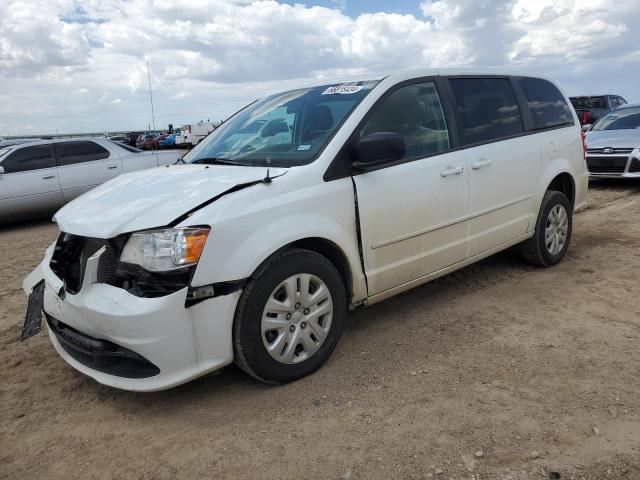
{"points": [[71, 66]]}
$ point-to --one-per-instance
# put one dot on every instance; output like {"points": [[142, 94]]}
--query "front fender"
{"points": [[240, 244]]}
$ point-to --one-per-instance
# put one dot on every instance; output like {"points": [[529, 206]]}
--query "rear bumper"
{"points": [[178, 344]]}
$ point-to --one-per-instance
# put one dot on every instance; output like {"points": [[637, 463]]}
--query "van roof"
{"points": [[400, 75]]}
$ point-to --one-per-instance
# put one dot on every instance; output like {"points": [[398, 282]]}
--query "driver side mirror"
{"points": [[377, 148]]}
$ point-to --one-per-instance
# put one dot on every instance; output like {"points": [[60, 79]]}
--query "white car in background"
{"points": [[39, 177], [613, 144]]}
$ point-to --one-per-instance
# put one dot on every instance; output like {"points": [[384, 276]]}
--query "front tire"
{"points": [[290, 317], [552, 233]]}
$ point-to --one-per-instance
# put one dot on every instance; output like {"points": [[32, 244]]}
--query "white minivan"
{"points": [[300, 207]]}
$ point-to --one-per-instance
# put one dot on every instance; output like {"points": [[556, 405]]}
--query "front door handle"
{"points": [[485, 162], [451, 171], [112, 167], [49, 177]]}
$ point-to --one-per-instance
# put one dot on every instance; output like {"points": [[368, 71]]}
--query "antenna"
{"points": [[153, 116], [267, 179]]}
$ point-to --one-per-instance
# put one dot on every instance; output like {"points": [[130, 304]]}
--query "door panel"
{"points": [[504, 165], [84, 164], [501, 191], [413, 215], [30, 182], [413, 220]]}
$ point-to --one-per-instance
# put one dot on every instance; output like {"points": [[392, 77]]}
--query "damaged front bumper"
{"points": [[129, 342]]}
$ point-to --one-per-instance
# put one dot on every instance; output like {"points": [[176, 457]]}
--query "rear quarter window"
{"points": [[70, 153], [547, 105]]}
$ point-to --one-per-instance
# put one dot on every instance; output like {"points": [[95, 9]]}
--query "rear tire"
{"points": [[552, 233], [289, 317]]}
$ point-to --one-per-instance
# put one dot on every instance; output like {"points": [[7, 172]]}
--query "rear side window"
{"points": [[487, 109], [546, 104], [415, 113], [29, 158], [70, 153]]}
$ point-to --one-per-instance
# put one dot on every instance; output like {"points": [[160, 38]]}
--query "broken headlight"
{"points": [[165, 249]]}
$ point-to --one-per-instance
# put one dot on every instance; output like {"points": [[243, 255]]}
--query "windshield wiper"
{"points": [[217, 161]]}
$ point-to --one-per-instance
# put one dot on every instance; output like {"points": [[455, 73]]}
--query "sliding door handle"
{"points": [[112, 167], [49, 177], [485, 162], [451, 171]]}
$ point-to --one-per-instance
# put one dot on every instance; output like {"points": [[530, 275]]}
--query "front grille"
{"points": [[599, 164], [69, 262], [615, 150], [69, 259], [101, 355], [635, 166], [108, 262]]}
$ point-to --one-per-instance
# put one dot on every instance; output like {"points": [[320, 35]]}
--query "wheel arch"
{"points": [[565, 183], [329, 250]]}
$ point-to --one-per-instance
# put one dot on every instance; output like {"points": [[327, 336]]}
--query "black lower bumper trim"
{"points": [[101, 355]]}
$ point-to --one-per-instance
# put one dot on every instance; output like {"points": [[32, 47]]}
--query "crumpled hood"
{"points": [[150, 198], [613, 138]]}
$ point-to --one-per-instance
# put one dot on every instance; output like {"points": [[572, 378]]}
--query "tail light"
{"points": [[189, 128], [586, 116], [584, 145]]}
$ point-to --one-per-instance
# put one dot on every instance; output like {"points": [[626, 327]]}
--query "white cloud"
{"points": [[85, 61], [34, 39]]}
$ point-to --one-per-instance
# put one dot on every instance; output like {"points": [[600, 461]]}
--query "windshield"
{"points": [[288, 129], [4, 151], [623, 119]]}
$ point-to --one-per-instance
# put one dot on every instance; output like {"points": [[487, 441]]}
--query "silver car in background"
{"points": [[39, 177], [613, 144]]}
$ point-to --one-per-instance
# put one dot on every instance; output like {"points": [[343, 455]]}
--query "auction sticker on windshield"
{"points": [[342, 89]]}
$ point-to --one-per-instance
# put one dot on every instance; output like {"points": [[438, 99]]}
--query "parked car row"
{"points": [[40, 176]]}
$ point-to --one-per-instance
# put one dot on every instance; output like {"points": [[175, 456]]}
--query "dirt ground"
{"points": [[501, 370]]}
